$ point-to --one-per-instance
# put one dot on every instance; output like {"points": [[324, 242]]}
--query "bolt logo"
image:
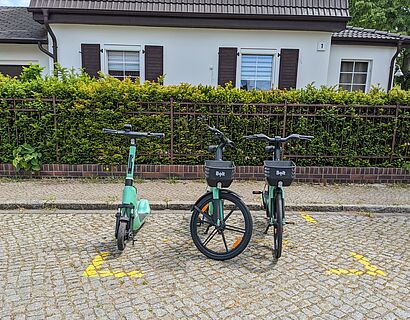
{"points": [[280, 173], [220, 174]]}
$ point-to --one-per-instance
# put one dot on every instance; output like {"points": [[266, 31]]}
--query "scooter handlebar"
{"points": [[133, 134]]}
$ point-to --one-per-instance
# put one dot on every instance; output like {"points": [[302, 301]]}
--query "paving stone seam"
{"points": [[187, 206]]}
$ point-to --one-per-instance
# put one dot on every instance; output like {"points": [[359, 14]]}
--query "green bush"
{"points": [[27, 158], [70, 131]]}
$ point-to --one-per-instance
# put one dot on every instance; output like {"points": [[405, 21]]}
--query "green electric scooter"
{"points": [[131, 213]]}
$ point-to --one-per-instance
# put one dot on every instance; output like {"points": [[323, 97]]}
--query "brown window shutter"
{"points": [[91, 58], [227, 66], [154, 62], [288, 70]]}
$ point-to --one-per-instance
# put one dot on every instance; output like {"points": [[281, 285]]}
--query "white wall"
{"points": [[191, 55], [21, 54], [379, 57]]}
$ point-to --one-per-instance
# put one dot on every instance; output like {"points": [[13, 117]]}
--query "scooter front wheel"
{"points": [[122, 231]]}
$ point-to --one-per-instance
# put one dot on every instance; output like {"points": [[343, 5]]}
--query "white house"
{"points": [[255, 44], [19, 38]]}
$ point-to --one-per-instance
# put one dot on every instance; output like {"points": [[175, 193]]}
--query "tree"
{"points": [[385, 15]]}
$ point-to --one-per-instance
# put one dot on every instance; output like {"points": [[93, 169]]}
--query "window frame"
{"points": [[257, 52], [124, 48], [368, 72], [22, 63]]}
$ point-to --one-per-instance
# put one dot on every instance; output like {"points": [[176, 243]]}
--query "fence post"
{"points": [[285, 114], [172, 128], [55, 128], [15, 121], [284, 118], [393, 143]]}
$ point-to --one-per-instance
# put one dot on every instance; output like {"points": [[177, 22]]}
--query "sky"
{"points": [[15, 3]]}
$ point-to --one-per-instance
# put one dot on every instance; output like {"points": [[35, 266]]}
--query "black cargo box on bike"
{"points": [[276, 171], [219, 171]]}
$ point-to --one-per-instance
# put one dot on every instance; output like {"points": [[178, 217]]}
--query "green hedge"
{"points": [[70, 131]]}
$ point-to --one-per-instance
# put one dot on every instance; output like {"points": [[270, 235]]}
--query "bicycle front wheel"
{"points": [[227, 239], [278, 226]]}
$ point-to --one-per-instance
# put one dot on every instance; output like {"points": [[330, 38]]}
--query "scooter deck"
{"points": [[142, 217]]}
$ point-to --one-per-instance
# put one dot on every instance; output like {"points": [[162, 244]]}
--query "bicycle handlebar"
{"points": [[264, 137], [134, 134], [224, 140]]}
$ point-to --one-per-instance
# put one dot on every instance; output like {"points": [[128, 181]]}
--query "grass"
{"points": [[172, 180]]}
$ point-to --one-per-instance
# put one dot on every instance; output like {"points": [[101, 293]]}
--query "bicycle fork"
{"points": [[215, 210], [269, 200]]}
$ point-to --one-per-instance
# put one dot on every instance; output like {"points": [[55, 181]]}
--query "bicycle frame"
{"points": [[217, 203], [269, 201], [273, 191], [216, 207]]}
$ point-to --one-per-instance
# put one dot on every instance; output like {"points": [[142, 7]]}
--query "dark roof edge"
{"points": [[329, 24], [23, 41], [188, 14], [369, 41]]}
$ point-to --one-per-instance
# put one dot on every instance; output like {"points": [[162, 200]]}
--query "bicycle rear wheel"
{"points": [[278, 226], [231, 237]]}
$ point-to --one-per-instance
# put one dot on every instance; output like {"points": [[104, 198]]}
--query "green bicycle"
{"points": [[278, 174], [221, 224], [131, 213]]}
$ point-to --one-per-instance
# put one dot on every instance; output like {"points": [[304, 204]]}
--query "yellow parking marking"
{"points": [[369, 269], [94, 269], [307, 217]]}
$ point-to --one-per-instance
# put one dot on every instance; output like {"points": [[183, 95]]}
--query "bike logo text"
{"points": [[220, 174]]}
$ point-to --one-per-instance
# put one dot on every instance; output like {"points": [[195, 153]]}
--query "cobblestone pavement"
{"points": [[172, 191], [333, 266]]}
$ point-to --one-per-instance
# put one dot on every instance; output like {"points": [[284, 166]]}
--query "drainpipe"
{"points": [[392, 64], [53, 55], [40, 46]]}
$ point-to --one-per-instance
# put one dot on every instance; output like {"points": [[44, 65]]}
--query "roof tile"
{"points": [[356, 33], [329, 8], [16, 23]]}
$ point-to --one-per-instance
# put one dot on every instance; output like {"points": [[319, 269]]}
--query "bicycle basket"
{"points": [[219, 171], [276, 171]]}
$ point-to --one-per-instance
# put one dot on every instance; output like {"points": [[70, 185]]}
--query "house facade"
{"points": [[19, 38], [262, 45]]}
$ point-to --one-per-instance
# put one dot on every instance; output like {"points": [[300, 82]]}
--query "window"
{"points": [[11, 70], [354, 75], [256, 72], [122, 64]]}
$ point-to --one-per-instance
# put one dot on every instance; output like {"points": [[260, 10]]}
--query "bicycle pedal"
{"points": [[290, 222], [257, 192]]}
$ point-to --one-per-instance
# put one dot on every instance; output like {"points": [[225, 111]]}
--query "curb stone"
{"points": [[186, 206]]}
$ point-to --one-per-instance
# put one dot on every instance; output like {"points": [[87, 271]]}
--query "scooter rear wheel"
{"points": [[122, 231]]}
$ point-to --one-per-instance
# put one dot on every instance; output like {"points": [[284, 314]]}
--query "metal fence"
{"points": [[378, 134]]}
